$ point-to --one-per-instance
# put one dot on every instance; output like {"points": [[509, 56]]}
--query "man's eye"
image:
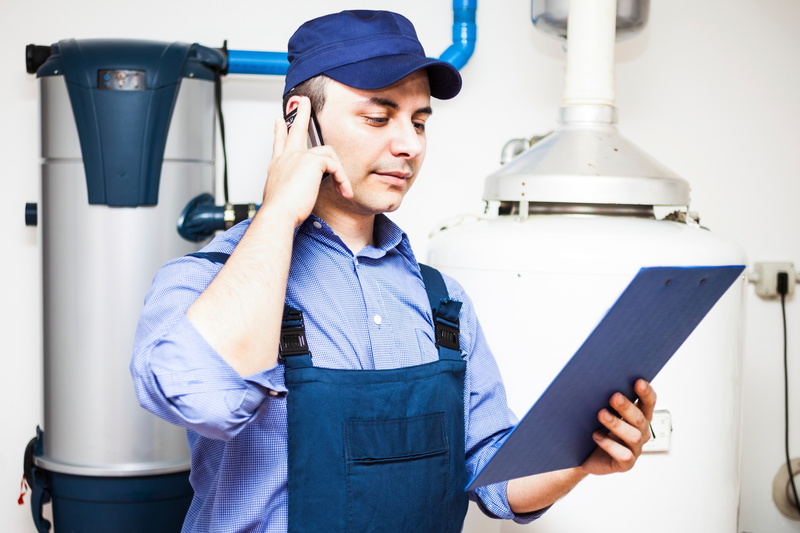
{"points": [[377, 121], [420, 126]]}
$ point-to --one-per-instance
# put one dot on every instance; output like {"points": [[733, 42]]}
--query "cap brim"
{"points": [[380, 72]]}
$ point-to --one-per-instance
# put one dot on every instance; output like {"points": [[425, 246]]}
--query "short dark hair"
{"points": [[313, 88]]}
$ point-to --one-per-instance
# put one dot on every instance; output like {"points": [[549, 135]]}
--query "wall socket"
{"points": [[661, 428], [765, 276]]}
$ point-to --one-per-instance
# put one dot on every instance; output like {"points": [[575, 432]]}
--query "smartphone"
{"points": [[314, 135]]}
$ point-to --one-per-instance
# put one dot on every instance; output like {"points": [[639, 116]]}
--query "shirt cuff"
{"points": [[188, 364], [493, 501], [270, 379]]}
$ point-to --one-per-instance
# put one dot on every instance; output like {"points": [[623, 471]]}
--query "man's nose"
{"points": [[408, 141]]}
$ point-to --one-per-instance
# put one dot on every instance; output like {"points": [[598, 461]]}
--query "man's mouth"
{"points": [[394, 177], [394, 174]]}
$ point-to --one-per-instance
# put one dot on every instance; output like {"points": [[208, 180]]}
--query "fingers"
{"points": [[618, 457], [295, 173], [339, 176], [647, 398], [631, 430], [293, 135], [279, 137], [297, 136], [627, 433], [637, 414]]}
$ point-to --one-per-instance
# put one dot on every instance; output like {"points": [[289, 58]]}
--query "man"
{"points": [[378, 409]]}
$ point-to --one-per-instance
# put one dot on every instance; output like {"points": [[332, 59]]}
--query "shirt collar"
{"points": [[388, 237]]}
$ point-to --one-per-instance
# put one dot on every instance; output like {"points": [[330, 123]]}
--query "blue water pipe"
{"points": [[464, 33], [457, 54]]}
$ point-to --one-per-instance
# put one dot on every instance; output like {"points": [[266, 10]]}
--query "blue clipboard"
{"points": [[649, 322]]}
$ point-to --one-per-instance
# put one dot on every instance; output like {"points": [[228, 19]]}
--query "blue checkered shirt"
{"points": [[362, 311]]}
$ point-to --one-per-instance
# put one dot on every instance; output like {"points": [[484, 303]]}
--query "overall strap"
{"points": [[445, 313], [293, 332]]}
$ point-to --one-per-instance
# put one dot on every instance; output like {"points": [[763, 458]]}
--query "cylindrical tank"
{"points": [[107, 209], [569, 224], [540, 284]]}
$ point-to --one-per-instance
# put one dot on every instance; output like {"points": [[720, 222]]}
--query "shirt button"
{"points": [[377, 319], [317, 224]]}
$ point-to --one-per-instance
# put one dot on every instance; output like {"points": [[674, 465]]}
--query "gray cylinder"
{"points": [[98, 263]]}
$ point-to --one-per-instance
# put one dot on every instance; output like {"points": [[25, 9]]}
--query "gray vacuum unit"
{"points": [[127, 140]]}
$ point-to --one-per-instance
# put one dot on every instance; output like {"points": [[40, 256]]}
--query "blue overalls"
{"points": [[376, 450]]}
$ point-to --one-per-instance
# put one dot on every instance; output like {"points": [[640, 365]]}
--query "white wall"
{"points": [[711, 89]]}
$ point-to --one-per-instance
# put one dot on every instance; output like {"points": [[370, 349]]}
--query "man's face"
{"points": [[379, 137]]}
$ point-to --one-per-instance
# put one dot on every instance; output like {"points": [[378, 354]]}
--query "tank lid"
{"points": [[586, 160]]}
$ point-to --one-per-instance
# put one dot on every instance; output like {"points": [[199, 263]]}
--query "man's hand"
{"points": [[295, 171], [616, 452], [619, 450]]}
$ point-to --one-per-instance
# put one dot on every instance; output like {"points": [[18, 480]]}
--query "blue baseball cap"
{"points": [[365, 50]]}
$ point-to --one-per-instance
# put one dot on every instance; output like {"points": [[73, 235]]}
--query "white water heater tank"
{"points": [[540, 284]]}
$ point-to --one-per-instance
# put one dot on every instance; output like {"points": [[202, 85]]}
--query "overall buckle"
{"points": [[446, 332], [293, 335]]}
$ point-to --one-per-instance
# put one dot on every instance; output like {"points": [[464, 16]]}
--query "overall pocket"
{"points": [[398, 474]]}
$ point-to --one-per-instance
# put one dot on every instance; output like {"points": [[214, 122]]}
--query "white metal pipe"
{"points": [[591, 35]]}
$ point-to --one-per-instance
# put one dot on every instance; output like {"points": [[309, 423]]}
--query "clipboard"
{"points": [[650, 320]]}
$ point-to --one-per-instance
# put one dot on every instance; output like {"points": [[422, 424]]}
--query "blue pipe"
{"points": [[464, 33], [244, 62], [457, 54]]}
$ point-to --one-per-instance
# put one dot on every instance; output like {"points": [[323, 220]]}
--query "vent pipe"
{"points": [[590, 53], [586, 161]]}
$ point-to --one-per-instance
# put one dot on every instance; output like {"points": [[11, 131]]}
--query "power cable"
{"points": [[783, 288], [218, 102]]}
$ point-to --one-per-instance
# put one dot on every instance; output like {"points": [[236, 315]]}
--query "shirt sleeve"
{"points": [[486, 413], [178, 376]]}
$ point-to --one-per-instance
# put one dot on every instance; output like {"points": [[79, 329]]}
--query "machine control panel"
{"points": [[121, 79]]}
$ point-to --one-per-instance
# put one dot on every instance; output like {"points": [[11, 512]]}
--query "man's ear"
{"points": [[291, 104]]}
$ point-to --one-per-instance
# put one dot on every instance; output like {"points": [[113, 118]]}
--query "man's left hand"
{"points": [[619, 449]]}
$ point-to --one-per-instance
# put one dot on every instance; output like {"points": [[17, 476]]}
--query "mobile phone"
{"points": [[314, 135]]}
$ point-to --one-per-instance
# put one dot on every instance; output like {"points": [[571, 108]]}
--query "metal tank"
{"points": [[127, 140], [568, 224], [540, 285]]}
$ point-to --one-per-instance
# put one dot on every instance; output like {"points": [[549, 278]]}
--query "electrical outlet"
{"points": [[765, 276], [661, 428]]}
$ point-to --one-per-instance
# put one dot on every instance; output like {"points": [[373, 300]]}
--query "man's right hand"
{"points": [[296, 171]]}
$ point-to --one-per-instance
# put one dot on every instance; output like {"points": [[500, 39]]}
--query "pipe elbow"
{"points": [[464, 33], [458, 54]]}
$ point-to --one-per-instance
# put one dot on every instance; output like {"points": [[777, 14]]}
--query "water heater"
{"points": [[568, 224], [540, 285], [128, 133]]}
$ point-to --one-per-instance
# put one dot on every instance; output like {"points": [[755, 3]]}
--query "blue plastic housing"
{"points": [[123, 504], [123, 129]]}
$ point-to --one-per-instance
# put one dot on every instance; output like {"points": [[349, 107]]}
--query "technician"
{"points": [[319, 390]]}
